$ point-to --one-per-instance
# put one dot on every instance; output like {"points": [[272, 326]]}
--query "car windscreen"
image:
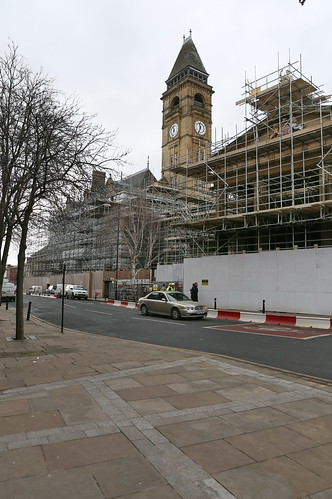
{"points": [[177, 297]]}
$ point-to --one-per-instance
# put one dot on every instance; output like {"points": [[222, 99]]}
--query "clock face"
{"points": [[200, 127], [173, 130]]}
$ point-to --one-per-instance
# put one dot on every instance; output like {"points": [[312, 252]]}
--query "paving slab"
{"points": [[257, 419], [200, 385], [193, 432], [20, 463], [306, 409], [126, 476], [12, 407], [31, 421], [9, 384], [317, 459], [57, 484], [82, 452], [151, 379], [163, 492], [151, 406], [318, 429], [326, 494], [123, 383], [144, 392], [196, 399], [217, 455], [272, 479], [270, 443], [246, 391], [64, 398], [83, 414]]}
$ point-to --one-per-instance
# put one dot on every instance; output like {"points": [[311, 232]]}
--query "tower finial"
{"points": [[188, 37]]}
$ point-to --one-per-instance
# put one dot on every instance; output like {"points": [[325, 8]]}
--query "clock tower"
{"points": [[187, 109]]}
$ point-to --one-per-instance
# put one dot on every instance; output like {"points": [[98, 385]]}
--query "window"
{"points": [[198, 100], [175, 102], [154, 296]]}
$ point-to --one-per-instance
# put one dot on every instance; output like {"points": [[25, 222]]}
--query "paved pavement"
{"points": [[92, 417]]}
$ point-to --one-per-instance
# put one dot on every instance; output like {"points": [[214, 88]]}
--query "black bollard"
{"points": [[215, 303], [29, 310], [263, 310], [7, 302]]}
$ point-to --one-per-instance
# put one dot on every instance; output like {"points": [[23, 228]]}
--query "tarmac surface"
{"points": [[91, 417]]}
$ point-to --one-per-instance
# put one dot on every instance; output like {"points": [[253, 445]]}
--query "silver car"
{"points": [[172, 303], [75, 291]]}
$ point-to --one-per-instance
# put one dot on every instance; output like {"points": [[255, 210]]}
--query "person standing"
{"points": [[194, 292]]}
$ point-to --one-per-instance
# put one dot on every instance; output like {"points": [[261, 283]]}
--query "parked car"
{"points": [[54, 289], [73, 291], [171, 303], [8, 291], [36, 290]]}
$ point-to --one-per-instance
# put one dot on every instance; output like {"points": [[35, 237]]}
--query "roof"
{"points": [[271, 98], [139, 180], [188, 56]]}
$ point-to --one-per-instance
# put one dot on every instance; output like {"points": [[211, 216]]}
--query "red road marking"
{"points": [[228, 315], [288, 332], [283, 320]]}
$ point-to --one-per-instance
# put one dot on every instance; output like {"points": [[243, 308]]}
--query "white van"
{"points": [[8, 291], [36, 290], [58, 290]]}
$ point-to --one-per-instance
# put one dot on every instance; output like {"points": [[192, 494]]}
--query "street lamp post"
{"points": [[63, 296], [117, 256]]}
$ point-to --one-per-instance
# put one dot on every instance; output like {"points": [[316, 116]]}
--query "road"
{"points": [[268, 346]]}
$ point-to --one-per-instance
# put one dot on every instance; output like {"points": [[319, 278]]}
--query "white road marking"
{"points": [[163, 322], [103, 313]]}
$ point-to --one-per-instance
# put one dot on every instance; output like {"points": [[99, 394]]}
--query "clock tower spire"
{"points": [[187, 109]]}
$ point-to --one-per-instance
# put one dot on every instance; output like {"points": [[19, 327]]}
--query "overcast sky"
{"points": [[115, 55]]}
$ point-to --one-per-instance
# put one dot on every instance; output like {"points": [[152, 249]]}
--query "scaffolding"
{"points": [[268, 186], [84, 237]]}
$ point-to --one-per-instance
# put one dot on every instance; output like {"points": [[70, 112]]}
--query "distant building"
{"points": [[11, 273], [91, 237]]}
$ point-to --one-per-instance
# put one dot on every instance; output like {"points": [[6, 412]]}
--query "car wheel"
{"points": [[175, 314], [85, 298], [144, 310], [200, 318]]}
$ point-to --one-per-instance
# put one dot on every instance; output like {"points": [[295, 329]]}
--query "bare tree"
{"points": [[140, 230], [48, 150]]}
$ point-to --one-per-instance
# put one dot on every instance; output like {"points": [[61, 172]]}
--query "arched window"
{"points": [[199, 100], [175, 102]]}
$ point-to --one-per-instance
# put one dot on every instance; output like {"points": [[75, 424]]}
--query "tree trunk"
{"points": [[133, 269], [19, 288], [4, 255]]}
